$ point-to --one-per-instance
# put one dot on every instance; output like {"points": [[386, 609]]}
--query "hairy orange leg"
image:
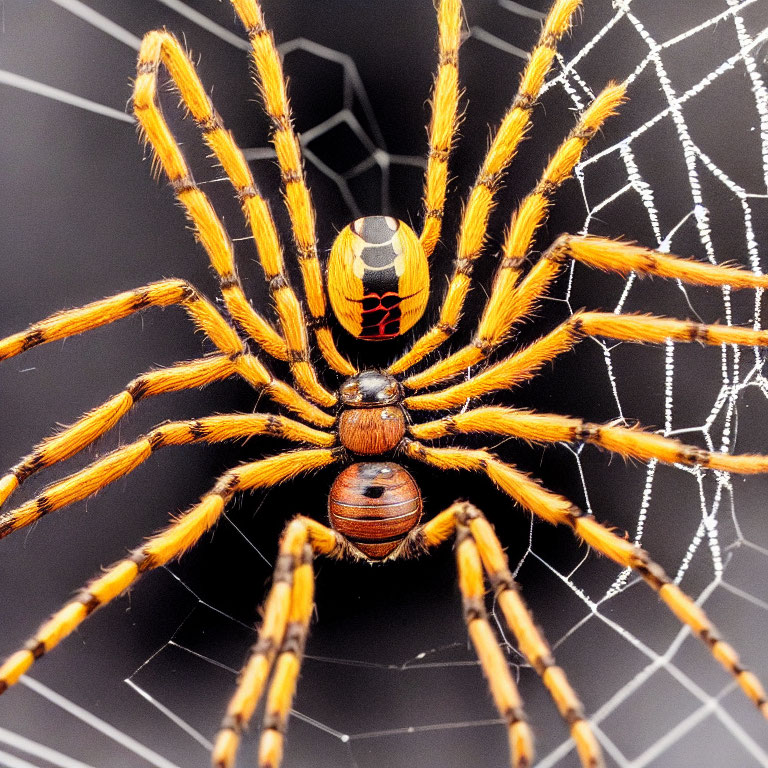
{"points": [[629, 442], [600, 253], [622, 258], [282, 688], [188, 375], [164, 293], [269, 75], [525, 363], [162, 47], [505, 305], [71, 322], [207, 226], [257, 375], [123, 460], [558, 510], [169, 544], [283, 629], [95, 423], [471, 523], [504, 691], [481, 200], [531, 641], [444, 123]]}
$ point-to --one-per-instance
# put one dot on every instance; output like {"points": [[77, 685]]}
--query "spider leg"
{"points": [[123, 460], [188, 375], [525, 363], [444, 122], [285, 675], [283, 631], [502, 309], [71, 322], [207, 226], [164, 293], [624, 258], [166, 545], [530, 639], [163, 48], [95, 423], [257, 375], [469, 522], [629, 442], [556, 509], [269, 75], [601, 253], [481, 199], [504, 691]]}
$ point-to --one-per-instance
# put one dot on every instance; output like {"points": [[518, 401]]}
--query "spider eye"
{"points": [[378, 279]]}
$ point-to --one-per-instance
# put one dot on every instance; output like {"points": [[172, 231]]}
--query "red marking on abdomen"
{"points": [[380, 315]]}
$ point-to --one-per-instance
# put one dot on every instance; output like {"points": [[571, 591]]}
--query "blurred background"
{"points": [[389, 677]]}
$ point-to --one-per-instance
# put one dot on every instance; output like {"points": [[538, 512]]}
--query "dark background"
{"points": [[82, 218]]}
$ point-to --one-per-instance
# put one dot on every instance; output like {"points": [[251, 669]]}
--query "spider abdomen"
{"points": [[374, 505], [378, 278]]}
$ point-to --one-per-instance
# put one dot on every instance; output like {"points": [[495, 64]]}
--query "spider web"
{"points": [[388, 670]]}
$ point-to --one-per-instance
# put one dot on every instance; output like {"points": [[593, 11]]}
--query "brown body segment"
{"points": [[374, 505], [372, 431]]}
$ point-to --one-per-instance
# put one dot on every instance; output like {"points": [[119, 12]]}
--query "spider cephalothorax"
{"points": [[378, 283], [371, 420]]}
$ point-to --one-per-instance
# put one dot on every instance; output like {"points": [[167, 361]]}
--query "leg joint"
{"points": [[465, 265], [35, 647], [227, 485], [586, 433], [284, 568], [274, 721], [183, 184], [89, 600], [228, 282], [232, 723], [298, 356], [649, 571], [512, 262], [546, 188], [317, 323], [514, 715], [560, 250], [26, 468], [474, 607], [467, 512], [695, 456], [485, 345], [256, 31], [573, 715], [295, 638], [140, 557], [501, 581], [264, 646], [33, 337], [524, 101]]}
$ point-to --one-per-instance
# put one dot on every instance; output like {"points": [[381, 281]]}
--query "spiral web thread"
{"points": [[717, 538]]}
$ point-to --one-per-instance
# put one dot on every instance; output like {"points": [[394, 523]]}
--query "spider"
{"points": [[377, 285]]}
